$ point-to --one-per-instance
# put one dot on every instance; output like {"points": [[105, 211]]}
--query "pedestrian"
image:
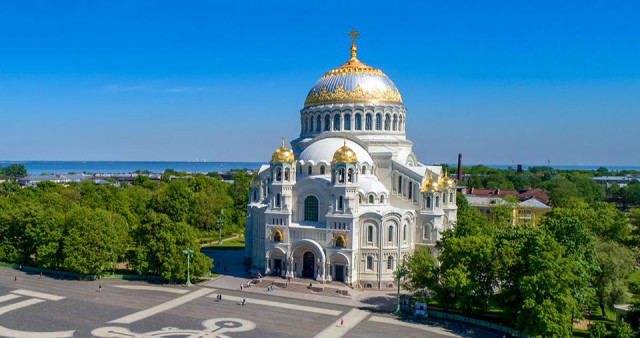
{"points": [[220, 295], [40, 274], [341, 321], [286, 285], [289, 279], [309, 285], [100, 288], [15, 278], [243, 301], [240, 287]]}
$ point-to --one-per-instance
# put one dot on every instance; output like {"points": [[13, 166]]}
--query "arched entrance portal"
{"points": [[308, 265]]}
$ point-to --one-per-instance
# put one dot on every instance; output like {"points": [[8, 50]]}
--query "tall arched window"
{"points": [[340, 242], [369, 262], [450, 197], [395, 122], [287, 173], [340, 203], [378, 121], [278, 174], [319, 124], [390, 263], [359, 198], [401, 123], [350, 175], [347, 122], [367, 122], [410, 192], [336, 122], [321, 170], [382, 199], [358, 122], [404, 233], [370, 199], [390, 233], [311, 209], [311, 124], [277, 237], [437, 201], [277, 200], [341, 175], [327, 123], [428, 201], [387, 122], [399, 184], [370, 233], [310, 170], [255, 195]]}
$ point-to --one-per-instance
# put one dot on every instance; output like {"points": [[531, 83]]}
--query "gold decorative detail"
{"points": [[430, 184], [334, 240], [446, 181], [339, 95], [273, 236], [345, 154], [282, 155]]}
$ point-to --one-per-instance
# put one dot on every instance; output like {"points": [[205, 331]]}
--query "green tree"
{"points": [[615, 264], [421, 268], [597, 330], [622, 329], [13, 171], [174, 199]]}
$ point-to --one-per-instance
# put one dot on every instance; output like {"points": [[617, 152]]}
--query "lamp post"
{"points": [[220, 224], [399, 275], [188, 253]]}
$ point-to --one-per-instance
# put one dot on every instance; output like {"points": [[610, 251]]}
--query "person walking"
{"points": [[100, 288], [243, 301], [40, 274], [15, 278], [341, 321], [240, 287]]}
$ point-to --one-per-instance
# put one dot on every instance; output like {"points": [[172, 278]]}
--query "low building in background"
{"points": [[621, 181], [526, 212]]}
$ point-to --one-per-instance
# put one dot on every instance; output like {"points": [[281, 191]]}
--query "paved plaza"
{"points": [[47, 307]]}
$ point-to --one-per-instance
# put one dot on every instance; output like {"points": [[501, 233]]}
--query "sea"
{"points": [[122, 167]]}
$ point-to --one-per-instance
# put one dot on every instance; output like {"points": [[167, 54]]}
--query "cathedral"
{"points": [[349, 200]]}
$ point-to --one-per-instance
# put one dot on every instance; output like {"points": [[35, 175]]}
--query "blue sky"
{"points": [[499, 81]]}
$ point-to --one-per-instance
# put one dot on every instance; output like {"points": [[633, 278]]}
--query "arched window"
{"points": [[311, 209], [347, 121], [427, 231], [382, 199], [359, 198], [350, 175], [310, 170], [404, 233], [390, 263], [340, 242], [428, 201], [340, 203], [287, 172], [450, 197], [437, 201], [336, 122], [378, 121], [369, 262], [278, 174], [401, 123], [327, 123], [277, 237], [391, 233], [277, 200], [370, 233], [358, 122], [387, 122], [367, 122], [370, 199], [311, 124], [341, 175], [321, 170], [410, 190], [399, 184], [395, 122], [319, 124], [364, 170], [255, 195]]}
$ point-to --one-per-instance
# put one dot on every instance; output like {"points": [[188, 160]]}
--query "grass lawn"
{"points": [[232, 244]]}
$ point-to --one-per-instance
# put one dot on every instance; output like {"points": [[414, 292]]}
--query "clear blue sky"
{"points": [[500, 81]]}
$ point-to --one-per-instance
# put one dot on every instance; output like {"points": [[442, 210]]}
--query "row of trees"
{"points": [[13, 171], [89, 228], [541, 278]]}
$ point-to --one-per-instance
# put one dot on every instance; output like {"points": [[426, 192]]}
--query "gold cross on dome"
{"points": [[282, 138], [354, 34]]}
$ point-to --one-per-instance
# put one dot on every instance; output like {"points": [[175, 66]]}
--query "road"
{"points": [[45, 307]]}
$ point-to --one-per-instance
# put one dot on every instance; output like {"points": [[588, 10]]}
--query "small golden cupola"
{"points": [[345, 155], [282, 155], [447, 182], [430, 184]]}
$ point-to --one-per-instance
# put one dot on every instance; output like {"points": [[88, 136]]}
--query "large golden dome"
{"points": [[283, 155], [345, 155], [353, 82], [447, 182]]}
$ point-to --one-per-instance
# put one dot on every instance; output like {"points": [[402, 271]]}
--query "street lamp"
{"points": [[188, 253], [220, 224], [399, 275]]}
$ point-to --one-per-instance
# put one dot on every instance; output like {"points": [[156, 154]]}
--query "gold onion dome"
{"points": [[430, 185], [447, 182], [353, 82], [255, 181], [345, 155], [282, 155]]}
